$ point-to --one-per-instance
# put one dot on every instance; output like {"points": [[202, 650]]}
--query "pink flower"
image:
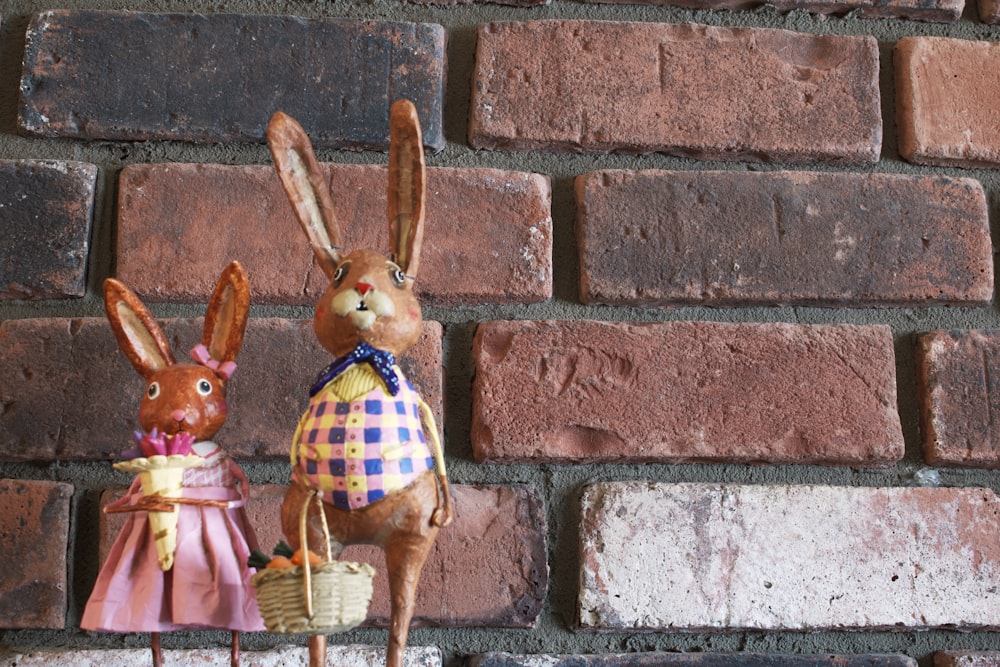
{"points": [[154, 443], [180, 444]]}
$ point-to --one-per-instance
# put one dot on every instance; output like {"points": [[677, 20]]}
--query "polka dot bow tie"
{"points": [[380, 360]]}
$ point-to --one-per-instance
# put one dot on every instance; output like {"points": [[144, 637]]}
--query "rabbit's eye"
{"points": [[204, 387], [341, 273], [397, 276], [153, 390]]}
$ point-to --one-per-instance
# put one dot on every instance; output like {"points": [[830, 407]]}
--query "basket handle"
{"points": [[316, 495]]}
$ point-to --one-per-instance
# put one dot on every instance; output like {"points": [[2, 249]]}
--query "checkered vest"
{"points": [[360, 451]]}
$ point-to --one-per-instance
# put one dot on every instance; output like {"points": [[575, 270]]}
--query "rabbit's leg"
{"points": [[404, 557], [317, 651], [157, 650], [234, 656]]}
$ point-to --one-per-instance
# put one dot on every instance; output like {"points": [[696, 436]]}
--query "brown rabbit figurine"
{"points": [[179, 562], [361, 444]]}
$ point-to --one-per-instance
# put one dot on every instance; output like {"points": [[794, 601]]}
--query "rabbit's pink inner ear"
{"points": [[227, 315], [306, 187], [406, 186], [146, 349]]}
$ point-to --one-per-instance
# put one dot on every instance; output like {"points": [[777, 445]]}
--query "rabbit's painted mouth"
{"points": [[363, 311]]}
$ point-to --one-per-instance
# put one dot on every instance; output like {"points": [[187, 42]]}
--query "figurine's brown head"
{"points": [[370, 298], [188, 397]]}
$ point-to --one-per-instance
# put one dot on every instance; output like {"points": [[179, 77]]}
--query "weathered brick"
{"points": [[694, 659], [66, 392], [691, 90], [515, 3], [138, 76], [200, 217], [967, 659], [774, 557], [46, 212], [939, 10], [946, 90], [665, 238], [488, 568], [959, 394], [684, 391], [282, 656], [989, 11], [34, 536]]}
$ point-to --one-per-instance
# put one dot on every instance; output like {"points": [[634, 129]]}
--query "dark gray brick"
{"points": [[138, 76], [46, 214]]}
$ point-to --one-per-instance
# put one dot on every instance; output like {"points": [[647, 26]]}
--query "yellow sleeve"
{"points": [[432, 434]]}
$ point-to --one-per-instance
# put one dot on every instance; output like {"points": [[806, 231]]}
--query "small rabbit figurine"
{"points": [[361, 443], [179, 562]]}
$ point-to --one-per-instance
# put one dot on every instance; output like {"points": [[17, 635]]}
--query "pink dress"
{"points": [[209, 583]]}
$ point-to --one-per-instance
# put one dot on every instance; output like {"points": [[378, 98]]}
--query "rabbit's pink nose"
{"points": [[363, 288], [178, 415]]}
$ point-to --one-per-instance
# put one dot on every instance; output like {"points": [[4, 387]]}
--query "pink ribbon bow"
{"points": [[224, 370]]}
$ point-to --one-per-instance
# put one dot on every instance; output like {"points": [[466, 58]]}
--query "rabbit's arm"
{"points": [[130, 496], [443, 514], [241, 477]]}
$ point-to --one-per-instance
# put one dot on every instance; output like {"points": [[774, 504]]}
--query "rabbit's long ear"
{"points": [[406, 186], [306, 188], [228, 311], [138, 334]]}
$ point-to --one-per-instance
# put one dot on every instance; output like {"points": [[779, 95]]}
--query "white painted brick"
{"points": [[967, 659], [710, 556], [282, 656]]}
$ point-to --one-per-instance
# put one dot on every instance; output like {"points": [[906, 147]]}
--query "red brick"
{"points": [[691, 90], [798, 557], [47, 212], [989, 11], [689, 660], [219, 77], [665, 238], [488, 568], [940, 11], [67, 393], [685, 391], [179, 222], [959, 396], [946, 90], [34, 536]]}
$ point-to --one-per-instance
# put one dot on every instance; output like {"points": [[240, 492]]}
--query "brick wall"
{"points": [[709, 290]]}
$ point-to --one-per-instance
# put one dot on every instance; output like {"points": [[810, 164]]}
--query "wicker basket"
{"points": [[318, 600]]}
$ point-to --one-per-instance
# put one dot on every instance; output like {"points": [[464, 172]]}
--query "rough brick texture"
{"points": [[199, 217], [46, 212], [959, 396], [967, 659], [282, 656], [685, 391], [34, 534], [940, 11], [104, 75], [689, 660], [946, 101], [774, 557], [66, 392], [989, 11], [488, 568], [665, 238], [692, 90]]}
